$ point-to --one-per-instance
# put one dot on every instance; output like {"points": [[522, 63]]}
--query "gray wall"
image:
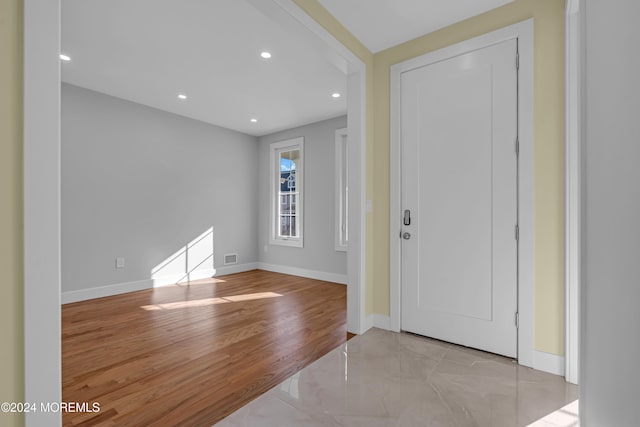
{"points": [[319, 252], [610, 347], [141, 183]]}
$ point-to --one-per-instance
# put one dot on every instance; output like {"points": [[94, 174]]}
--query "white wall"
{"points": [[318, 253], [141, 183], [610, 339]]}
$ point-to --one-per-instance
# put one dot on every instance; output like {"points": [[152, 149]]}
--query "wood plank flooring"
{"points": [[191, 354]]}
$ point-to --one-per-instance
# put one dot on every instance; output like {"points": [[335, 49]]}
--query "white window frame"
{"points": [[275, 148], [341, 233]]}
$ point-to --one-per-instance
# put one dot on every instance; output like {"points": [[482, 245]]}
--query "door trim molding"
{"points": [[572, 190], [547, 362], [523, 31], [42, 251], [356, 71]]}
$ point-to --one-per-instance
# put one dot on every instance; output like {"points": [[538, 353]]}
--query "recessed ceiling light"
{"points": [[182, 96], [65, 58], [254, 120], [265, 54], [335, 95]]}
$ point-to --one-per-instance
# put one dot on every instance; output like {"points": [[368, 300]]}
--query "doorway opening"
{"points": [[42, 192]]}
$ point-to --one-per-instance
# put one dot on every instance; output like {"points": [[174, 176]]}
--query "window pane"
{"points": [[287, 181], [286, 169], [287, 190], [285, 227]]}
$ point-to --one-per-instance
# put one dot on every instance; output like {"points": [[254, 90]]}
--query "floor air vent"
{"points": [[230, 259]]}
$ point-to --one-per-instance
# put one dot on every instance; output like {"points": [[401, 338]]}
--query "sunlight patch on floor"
{"points": [[567, 416], [210, 301]]}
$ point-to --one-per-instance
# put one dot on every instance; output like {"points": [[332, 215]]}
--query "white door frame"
{"points": [[523, 31], [356, 127], [572, 189], [42, 208], [42, 252]]}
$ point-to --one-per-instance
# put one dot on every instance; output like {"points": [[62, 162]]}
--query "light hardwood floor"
{"points": [[191, 354]]}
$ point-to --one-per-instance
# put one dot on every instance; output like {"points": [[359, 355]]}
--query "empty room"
{"points": [[319, 212], [204, 217]]}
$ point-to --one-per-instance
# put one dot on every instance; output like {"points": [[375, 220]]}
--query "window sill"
{"points": [[297, 243]]}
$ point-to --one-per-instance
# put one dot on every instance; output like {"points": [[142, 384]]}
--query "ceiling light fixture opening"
{"points": [[254, 120], [265, 54], [335, 95], [65, 58], [182, 96]]}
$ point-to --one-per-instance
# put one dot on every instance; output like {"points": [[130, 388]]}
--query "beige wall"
{"points": [[549, 153], [549, 149], [11, 325]]}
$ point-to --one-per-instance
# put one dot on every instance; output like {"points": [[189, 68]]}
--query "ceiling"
{"points": [[381, 24], [150, 51]]}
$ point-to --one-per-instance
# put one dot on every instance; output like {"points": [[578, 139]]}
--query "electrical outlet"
{"points": [[120, 262]]}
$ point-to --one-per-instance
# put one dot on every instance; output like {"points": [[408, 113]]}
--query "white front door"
{"points": [[459, 199]]}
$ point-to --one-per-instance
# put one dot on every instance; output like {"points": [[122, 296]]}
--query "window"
{"points": [[342, 192], [287, 177]]}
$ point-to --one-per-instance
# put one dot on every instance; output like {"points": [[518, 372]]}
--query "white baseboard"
{"points": [[379, 321], [138, 285], [105, 291], [173, 279], [367, 324], [206, 273], [547, 362], [237, 268], [311, 274]]}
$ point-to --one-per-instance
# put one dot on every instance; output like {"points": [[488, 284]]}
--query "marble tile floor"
{"points": [[384, 378], [567, 416]]}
